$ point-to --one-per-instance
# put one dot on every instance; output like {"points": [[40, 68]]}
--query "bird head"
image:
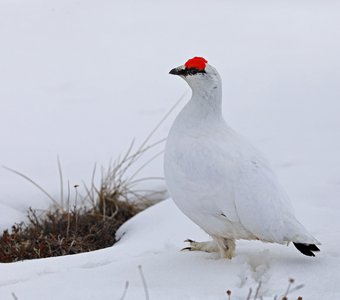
{"points": [[198, 73]]}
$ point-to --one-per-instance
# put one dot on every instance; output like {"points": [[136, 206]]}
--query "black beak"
{"points": [[186, 72], [175, 71]]}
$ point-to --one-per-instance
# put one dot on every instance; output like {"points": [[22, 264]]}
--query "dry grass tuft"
{"points": [[65, 230], [59, 233]]}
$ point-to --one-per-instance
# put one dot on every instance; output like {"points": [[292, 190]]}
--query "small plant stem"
{"points": [[33, 182], [144, 282], [257, 290], [14, 296], [61, 183], [287, 291], [68, 210], [75, 209], [163, 119], [300, 286], [145, 164], [125, 290]]}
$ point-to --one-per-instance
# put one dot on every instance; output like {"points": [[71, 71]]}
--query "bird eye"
{"points": [[194, 71]]}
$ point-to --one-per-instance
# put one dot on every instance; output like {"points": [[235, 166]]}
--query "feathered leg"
{"points": [[225, 247]]}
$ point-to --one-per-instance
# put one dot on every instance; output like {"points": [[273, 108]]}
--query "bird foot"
{"points": [[209, 246], [225, 247]]}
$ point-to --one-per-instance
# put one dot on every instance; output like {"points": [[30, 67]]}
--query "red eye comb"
{"points": [[198, 63]]}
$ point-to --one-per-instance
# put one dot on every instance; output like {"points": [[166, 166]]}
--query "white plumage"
{"points": [[219, 180]]}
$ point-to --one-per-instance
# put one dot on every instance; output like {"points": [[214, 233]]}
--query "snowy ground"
{"points": [[80, 79]]}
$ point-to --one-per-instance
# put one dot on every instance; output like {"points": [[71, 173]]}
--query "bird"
{"points": [[219, 180]]}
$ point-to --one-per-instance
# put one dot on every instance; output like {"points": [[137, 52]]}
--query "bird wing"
{"points": [[262, 205]]}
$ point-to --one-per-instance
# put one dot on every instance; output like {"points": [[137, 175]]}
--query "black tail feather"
{"points": [[306, 249]]}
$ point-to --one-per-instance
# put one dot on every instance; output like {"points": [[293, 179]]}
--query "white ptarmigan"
{"points": [[219, 180]]}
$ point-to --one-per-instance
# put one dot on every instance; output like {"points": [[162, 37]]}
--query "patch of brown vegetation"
{"points": [[58, 232], [61, 231]]}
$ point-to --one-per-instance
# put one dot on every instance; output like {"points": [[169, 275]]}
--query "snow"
{"points": [[169, 273], [81, 79]]}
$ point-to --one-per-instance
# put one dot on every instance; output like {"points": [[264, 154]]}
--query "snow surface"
{"points": [[80, 79]]}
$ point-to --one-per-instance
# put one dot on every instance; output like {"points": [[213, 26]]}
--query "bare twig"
{"points": [[144, 282], [290, 290], [257, 290], [298, 287], [290, 282], [125, 290]]}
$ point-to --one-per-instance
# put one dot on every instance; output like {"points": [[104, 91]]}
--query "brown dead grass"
{"points": [[65, 231], [59, 233]]}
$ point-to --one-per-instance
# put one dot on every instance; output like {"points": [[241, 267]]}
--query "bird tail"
{"points": [[306, 249]]}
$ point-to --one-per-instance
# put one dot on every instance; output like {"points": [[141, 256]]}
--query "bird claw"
{"points": [[188, 248], [208, 246], [189, 241]]}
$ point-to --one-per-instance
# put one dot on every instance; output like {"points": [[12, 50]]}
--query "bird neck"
{"points": [[206, 101]]}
